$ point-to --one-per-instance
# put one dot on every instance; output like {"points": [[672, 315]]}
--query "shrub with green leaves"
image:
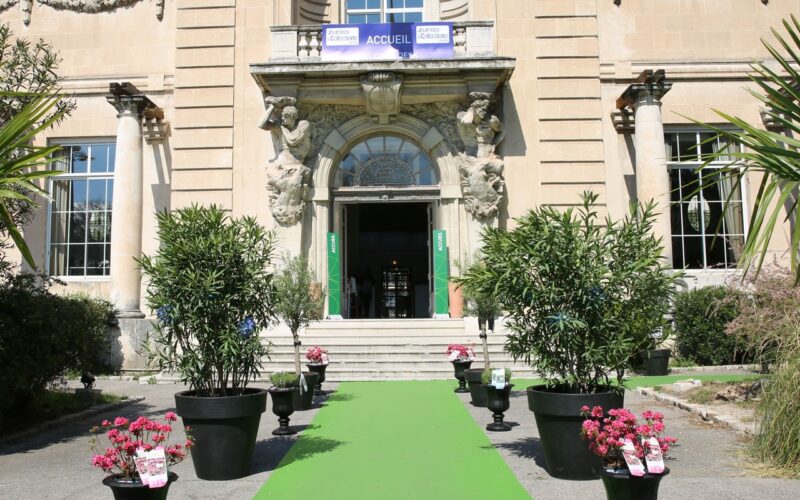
{"points": [[211, 286], [701, 316], [480, 303], [284, 380], [582, 295]]}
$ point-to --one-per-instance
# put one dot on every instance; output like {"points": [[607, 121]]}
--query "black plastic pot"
{"points": [[656, 361], [621, 485], [476, 390], [497, 402], [304, 399], [320, 369], [134, 490], [458, 368], [283, 406], [224, 429], [558, 418]]}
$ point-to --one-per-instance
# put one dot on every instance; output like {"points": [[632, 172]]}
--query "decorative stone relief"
{"points": [[326, 117], [439, 115], [88, 6], [481, 169], [382, 95], [287, 177]]}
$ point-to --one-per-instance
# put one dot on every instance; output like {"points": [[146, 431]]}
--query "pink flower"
{"points": [[170, 416], [584, 409], [120, 421]]}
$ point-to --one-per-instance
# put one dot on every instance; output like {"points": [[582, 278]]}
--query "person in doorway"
{"points": [[352, 296], [365, 289]]}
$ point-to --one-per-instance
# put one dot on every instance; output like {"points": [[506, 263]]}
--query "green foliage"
{"points": [[482, 304], [582, 295], [211, 287], [701, 316], [44, 335], [51, 404], [284, 380], [298, 300], [486, 376]]}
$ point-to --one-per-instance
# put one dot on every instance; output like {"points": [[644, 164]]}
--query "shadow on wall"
{"points": [[125, 344], [162, 190], [513, 145]]}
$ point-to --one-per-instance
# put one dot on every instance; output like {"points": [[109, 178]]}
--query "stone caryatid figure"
{"points": [[287, 177], [481, 169]]}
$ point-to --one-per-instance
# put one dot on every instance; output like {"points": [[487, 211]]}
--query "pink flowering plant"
{"points": [[126, 437], [459, 352], [607, 434], [317, 355]]}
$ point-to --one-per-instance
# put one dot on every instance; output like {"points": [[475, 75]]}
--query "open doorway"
{"points": [[387, 267]]}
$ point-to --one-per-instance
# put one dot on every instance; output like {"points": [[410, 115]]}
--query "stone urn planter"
{"points": [[621, 485], [656, 361], [476, 389], [126, 489], [459, 367], [559, 420], [224, 429], [319, 369], [304, 399], [497, 401], [283, 407]]}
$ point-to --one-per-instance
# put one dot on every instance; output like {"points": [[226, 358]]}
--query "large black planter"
{"points": [[320, 369], [134, 490], [224, 429], [476, 390], [458, 368], [304, 399], [283, 406], [558, 418], [621, 485], [497, 402], [656, 361]]}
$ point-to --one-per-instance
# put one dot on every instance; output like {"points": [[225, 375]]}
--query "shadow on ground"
{"points": [[274, 453], [529, 447]]}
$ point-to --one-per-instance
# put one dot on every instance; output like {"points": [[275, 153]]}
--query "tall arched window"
{"points": [[386, 160]]}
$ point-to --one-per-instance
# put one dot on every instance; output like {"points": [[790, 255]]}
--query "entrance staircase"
{"points": [[399, 349]]}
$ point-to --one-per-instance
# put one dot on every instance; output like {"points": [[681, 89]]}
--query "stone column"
{"points": [[126, 221], [652, 177]]}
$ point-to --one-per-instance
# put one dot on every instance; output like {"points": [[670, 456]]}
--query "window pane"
{"points": [[98, 162], [356, 4], [687, 143], [675, 184], [77, 195], [58, 259], [414, 4], [689, 183], [77, 228], [372, 18], [676, 218], [356, 19], [671, 141], [77, 260], [711, 184], [59, 228], [707, 147], [97, 194], [373, 4], [109, 194], [715, 252], [112, 156], [80, 159], [94, 259], [97, 227], [693, 252], [677, 252]]}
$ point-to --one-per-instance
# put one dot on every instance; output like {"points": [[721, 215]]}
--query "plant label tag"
{"points": [[303, 384], [140, 460], [653, 456], [634, 464], [324, 357], [453, 356], [499, 378], [157, 468]]}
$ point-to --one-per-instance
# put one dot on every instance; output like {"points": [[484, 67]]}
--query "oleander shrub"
{"points": [[701, 317]]}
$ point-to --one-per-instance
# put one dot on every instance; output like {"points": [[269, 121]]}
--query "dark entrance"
{"points": [[388, 258]]}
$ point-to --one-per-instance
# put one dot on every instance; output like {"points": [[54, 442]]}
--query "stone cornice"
{"points": [[649, 88]]}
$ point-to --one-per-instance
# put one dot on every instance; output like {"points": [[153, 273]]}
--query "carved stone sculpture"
{"points": [[87, 6], [287, 177], [382, 95], [481, 169]]}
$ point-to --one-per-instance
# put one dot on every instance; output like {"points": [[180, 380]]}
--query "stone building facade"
{"points": [[231, 102]]}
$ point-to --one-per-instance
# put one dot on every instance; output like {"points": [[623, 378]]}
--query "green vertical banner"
{"points": [[440, 274], [334, 277]]}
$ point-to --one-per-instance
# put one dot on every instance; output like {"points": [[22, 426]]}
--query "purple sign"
{"points": [[388, 41]]}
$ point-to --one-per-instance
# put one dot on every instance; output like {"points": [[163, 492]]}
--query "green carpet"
{"points": [[393, 440]]}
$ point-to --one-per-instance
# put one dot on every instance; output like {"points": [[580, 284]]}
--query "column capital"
{"points": [[128, 100], [650, 86]]}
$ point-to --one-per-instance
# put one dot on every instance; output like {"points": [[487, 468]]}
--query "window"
{"points": [[383, 11], [385, 161], [80, 211], [707, 213]]}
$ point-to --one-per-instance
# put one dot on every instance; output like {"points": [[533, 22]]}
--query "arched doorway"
{"points": [[385, 189]]}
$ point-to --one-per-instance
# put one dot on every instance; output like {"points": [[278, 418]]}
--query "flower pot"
{"points": [[558, 418], [656, 361], [621, 485], [304, 399], [459, 367], [224, 429], [320, 369], [497, 402], [282, 407], [455, 297], [126, 489], [476, 390]]}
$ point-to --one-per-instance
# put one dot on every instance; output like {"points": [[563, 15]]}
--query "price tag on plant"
{"points": [[499, 378], [141, 465], [157, 468], [653, 456], [324, 358], [634, 464], [303, 384]]}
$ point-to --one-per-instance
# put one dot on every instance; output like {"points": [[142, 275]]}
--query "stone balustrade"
{"points": [[304, 42]]}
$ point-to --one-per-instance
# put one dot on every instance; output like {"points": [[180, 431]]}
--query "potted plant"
{"points": [[129, 440], [656, 360], [637, 476], [297, 302], [575, 291], [211, 287], [462, 357], [283, 391], [497, 399], [318, 362]]}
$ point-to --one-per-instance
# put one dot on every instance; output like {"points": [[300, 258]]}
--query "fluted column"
{"points": [[126, 220], [652, 177]]}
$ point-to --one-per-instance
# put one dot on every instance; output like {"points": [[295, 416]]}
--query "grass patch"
{"points": [[644, 381], [50, 405]]}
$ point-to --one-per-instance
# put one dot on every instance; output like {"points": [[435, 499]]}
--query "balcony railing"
{"points": [[304, 42]]}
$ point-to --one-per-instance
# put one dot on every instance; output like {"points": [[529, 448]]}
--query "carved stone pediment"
{"points": [[382, 95], [87, 6]]}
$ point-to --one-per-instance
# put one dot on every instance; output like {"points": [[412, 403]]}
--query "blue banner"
{"points": [[388, 41]]}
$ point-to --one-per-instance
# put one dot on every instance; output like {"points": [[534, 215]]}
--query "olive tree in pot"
{"points": [[210, 284], [297, 303], [575, 290]]}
